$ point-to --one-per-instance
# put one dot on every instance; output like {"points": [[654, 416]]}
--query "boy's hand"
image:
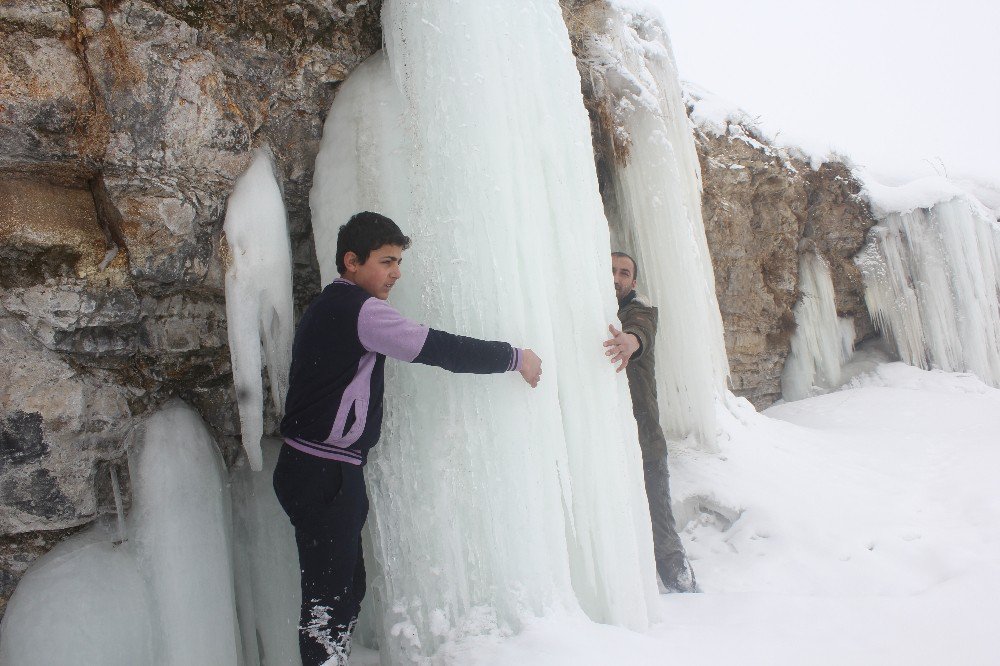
{"points": [[531, 367], [621, 346]]}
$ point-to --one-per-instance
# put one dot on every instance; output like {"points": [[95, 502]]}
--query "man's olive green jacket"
{"points": [[639, 318]]}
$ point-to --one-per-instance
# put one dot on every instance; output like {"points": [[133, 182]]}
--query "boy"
{"points": [[333, 417]]}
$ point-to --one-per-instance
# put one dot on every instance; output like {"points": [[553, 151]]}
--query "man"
{"points": [[333, 417], [632, 347]]}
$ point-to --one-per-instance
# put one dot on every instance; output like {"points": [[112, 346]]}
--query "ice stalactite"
{"points": [[822, 342], [655, 213], [491, 502], [932, 286], [258, 296], [166, 595]]}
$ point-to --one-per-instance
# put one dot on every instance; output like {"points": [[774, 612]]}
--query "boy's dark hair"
{"points": [[366, 232], [635, 265]]}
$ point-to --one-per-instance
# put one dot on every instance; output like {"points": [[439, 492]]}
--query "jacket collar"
{"points": [[628, 299]]}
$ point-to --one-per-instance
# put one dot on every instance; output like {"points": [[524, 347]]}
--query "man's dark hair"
{"points": [[635, 264], [366, 232]]}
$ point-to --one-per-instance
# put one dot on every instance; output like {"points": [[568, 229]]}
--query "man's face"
{"points": [[623, 271], [379, 273]]}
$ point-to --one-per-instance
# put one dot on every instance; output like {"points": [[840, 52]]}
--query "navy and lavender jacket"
{"points": [[334, 404]]}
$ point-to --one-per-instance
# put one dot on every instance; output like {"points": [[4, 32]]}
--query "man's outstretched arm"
{"points": [[382, 329], [636, 337]]}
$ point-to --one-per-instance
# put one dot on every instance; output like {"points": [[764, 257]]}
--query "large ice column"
{"points": [[180, 522], [822, 342], [165, 595], [490, 501], [267, 566], [258, 296], [932, 286], [656, 215]]}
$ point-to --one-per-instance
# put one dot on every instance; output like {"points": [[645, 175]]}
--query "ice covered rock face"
{"points": [[654, 207], [125, 127], [510, 242], [932, 284], [761, 207], [765, 209]]}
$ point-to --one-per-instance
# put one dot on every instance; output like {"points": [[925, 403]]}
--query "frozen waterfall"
{"points": [[932, 286], [480, 148], [822, 342], [655, 212], [258, 296]]}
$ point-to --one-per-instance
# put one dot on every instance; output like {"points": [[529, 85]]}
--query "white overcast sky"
{"points": [[902, 87]]}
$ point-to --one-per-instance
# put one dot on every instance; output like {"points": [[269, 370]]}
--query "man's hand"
{"points": [[621, 346], [531, 367]]}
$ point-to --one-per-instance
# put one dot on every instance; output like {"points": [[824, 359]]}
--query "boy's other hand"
{"points": [[531, 367]]}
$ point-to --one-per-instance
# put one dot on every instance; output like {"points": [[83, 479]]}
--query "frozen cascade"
{"points": [[932, 286], [480, 149], [167, 591], [655, 214], [267, 572], [820, 344], [258, 296]]}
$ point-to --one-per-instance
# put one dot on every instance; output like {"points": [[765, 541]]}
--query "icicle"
{"points": [[932, 286], [119, 506], [258, 296], [820, 345]]}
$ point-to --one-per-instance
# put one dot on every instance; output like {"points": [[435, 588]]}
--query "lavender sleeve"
{"points": [[383, 330]]}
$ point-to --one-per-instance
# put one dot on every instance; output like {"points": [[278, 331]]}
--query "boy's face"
{"points": [[379, 273]]}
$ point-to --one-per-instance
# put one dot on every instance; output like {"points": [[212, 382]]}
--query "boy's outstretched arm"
{"points": [[384, 330]]}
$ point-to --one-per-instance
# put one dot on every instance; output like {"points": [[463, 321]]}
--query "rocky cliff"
{"points": [[123, 126], [763, 207]]}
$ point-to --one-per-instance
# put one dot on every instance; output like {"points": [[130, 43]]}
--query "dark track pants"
{"points": [[328, 505]]}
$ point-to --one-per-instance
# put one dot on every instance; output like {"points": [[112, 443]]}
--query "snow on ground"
{"points": [[857, 527]]}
